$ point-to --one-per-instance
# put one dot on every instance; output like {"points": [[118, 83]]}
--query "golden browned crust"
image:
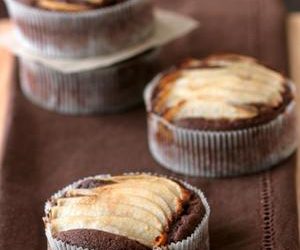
{"points": [[227, 91]]}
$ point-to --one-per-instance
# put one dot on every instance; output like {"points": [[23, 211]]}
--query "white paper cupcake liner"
{"points": [[83, 34], [220, 153], [199, 240], [101, 90]]}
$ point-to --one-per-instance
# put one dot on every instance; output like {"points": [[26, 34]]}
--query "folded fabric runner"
{"points": [[45, 151]]}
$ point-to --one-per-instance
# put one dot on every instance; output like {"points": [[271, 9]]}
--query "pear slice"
{"points": [[171, 185], [80, 192], [258, 73], [128, 227], [130, 200], [113, 208], [76, 200], [61, 6], [213, 108], [95, 1], [146, 194], [155, 188]]}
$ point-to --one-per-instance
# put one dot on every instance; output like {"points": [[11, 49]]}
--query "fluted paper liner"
{"points": [[82, 34], [199, 240], [102, 90], [220, 153]]}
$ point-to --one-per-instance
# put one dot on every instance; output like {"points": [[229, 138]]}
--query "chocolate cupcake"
{"points": [[221, 116], [101, 90], [137, 211], [81, 28]]}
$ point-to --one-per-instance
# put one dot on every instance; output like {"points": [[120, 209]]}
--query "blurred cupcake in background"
{"points": [[81, 28], [101, 90]]}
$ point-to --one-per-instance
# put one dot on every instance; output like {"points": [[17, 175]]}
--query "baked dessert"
{"points": [[81, 28], [100, 90], [225, 111], [222, 92], [70, 5], [127, 212]]}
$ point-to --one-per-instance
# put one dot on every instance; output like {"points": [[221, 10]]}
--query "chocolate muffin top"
{"points": [[221, 92], [70, 5], [125, 212]]}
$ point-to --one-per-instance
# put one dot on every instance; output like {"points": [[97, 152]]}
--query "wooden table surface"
{"points": [[6, 73], [7, 62]]}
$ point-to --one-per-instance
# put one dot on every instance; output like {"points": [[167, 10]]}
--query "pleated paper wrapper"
{"points": [[220, 153], [82, 34], [101, 90]]}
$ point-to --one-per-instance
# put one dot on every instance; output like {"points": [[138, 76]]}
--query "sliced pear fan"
{"points": [[164, 215], [128, 227], [108, 209], [231, 91], [139, 207]]}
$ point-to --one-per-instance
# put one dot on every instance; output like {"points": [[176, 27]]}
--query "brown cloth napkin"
{"points": [[46, 151]]}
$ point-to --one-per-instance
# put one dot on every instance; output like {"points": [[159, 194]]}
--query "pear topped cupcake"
{"points": [[128, 212], [221, 93], [223, 115]]}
